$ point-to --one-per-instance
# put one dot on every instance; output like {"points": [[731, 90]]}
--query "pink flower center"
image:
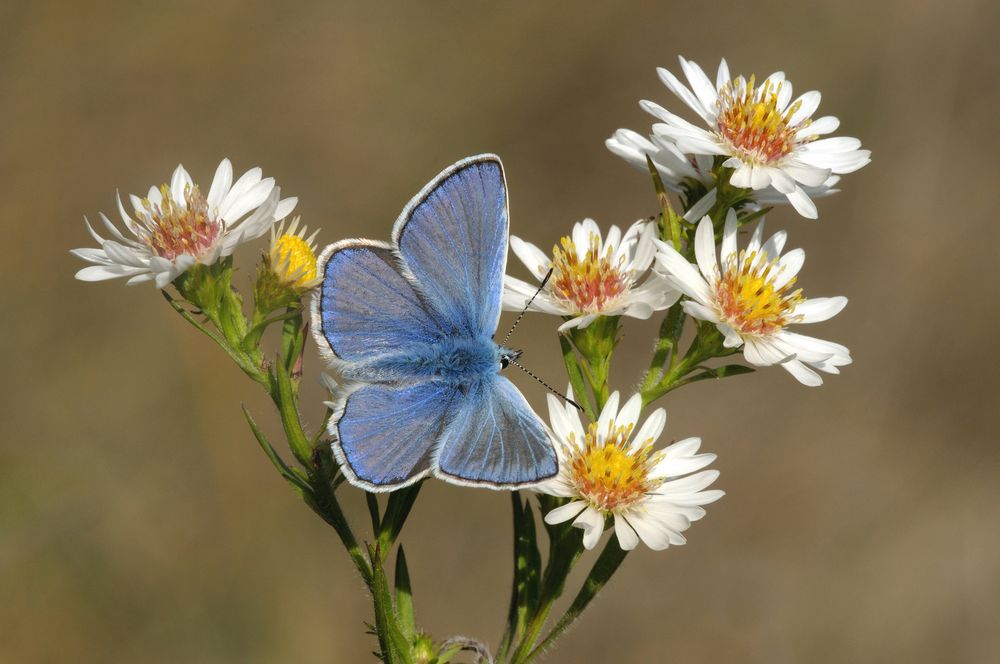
{"points": [[177, 229], [589, 284], [751, 122]]}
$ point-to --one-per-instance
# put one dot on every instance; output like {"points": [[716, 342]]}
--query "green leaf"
{"points": [[575, 376], [292, 475], [396, 511], [404, 597]]}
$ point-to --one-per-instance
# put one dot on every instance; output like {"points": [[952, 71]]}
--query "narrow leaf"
{"points": [[290, 474], [404, 597]]}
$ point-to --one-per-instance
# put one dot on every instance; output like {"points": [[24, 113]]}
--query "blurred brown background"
{"points": [[140, 523]]}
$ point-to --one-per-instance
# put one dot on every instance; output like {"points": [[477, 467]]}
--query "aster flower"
{"points": [[749, 297], [771, 141], [292, 257], [176, 226], [680, 172], [611, 470], [592, 276]]}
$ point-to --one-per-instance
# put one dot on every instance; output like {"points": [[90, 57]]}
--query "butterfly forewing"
{"points": [[453, 240]]}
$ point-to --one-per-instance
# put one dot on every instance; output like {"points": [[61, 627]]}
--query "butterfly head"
{"points": [[507, 356]]}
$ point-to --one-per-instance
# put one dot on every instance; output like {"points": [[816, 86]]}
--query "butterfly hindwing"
{"points": [[495, 439], [453, 240], [386, 434]]}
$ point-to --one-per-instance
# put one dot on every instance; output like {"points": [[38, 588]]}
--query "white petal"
{"points": [[627, 539], [653, 534], [221, 183], [608, 415], [729, 233], [180, 182], [240, 187], [817, 309], [704, 250], [592, 523], [285, 207], [809, 103], [789, 266], [629, 413], [247, 201], [802, 373], [533, 258], [802, 203], [683, 274], [565, 513], [701, 206], [702, 87], [652, 428]]}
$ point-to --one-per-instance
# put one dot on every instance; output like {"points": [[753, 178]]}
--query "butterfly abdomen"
{"points": [[449, 360]]}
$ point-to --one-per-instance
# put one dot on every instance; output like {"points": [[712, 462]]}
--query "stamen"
{"points": [[748, 297], [750, 121], [611, 474], [591, 284], [175, 229]]}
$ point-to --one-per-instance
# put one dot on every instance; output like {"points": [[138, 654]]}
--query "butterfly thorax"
{"points": [[451, 360]]}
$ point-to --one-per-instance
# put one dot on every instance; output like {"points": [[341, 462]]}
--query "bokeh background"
{"points": [[140, 523]]}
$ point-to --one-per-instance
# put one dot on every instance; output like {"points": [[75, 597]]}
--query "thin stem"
{"points": [[605, 566]]}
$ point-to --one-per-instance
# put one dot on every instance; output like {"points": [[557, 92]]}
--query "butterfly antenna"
{"points": [[523, 311], [547, 386]]}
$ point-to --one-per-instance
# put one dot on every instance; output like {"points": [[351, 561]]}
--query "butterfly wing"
{"points": [[453, 240], [385, 435], [494, 439], [364, 306]]}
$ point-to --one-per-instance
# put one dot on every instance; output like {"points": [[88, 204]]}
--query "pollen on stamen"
{"points": [[591, 284], [609, 472], [749, 298], [174, 229], [751, 122]]}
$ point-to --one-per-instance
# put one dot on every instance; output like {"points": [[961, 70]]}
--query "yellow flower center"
{"points": [[608, 472], [293, 261], [749, 298], [589, 285], [181, 229], [750, 121]]}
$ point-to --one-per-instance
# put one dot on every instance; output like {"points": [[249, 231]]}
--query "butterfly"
{"points": [[410, 324]]}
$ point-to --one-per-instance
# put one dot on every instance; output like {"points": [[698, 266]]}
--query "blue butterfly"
{"points": [[410, 324]]}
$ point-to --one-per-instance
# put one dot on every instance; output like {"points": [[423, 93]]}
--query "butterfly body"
{"points": [[410, 324], [451, 360]]}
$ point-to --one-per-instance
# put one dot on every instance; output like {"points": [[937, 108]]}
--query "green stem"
{"points": [[565, 547], [605, 566]]}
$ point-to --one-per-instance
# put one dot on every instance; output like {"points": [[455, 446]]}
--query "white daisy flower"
{"points": [[769, 140], [176, 226], [592, 276], [612, 470], [749, 297], [679, 171]]}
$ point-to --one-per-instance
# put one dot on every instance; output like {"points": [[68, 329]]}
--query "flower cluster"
{"points": [[769, 142], [177, 226], [596, 464]]}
